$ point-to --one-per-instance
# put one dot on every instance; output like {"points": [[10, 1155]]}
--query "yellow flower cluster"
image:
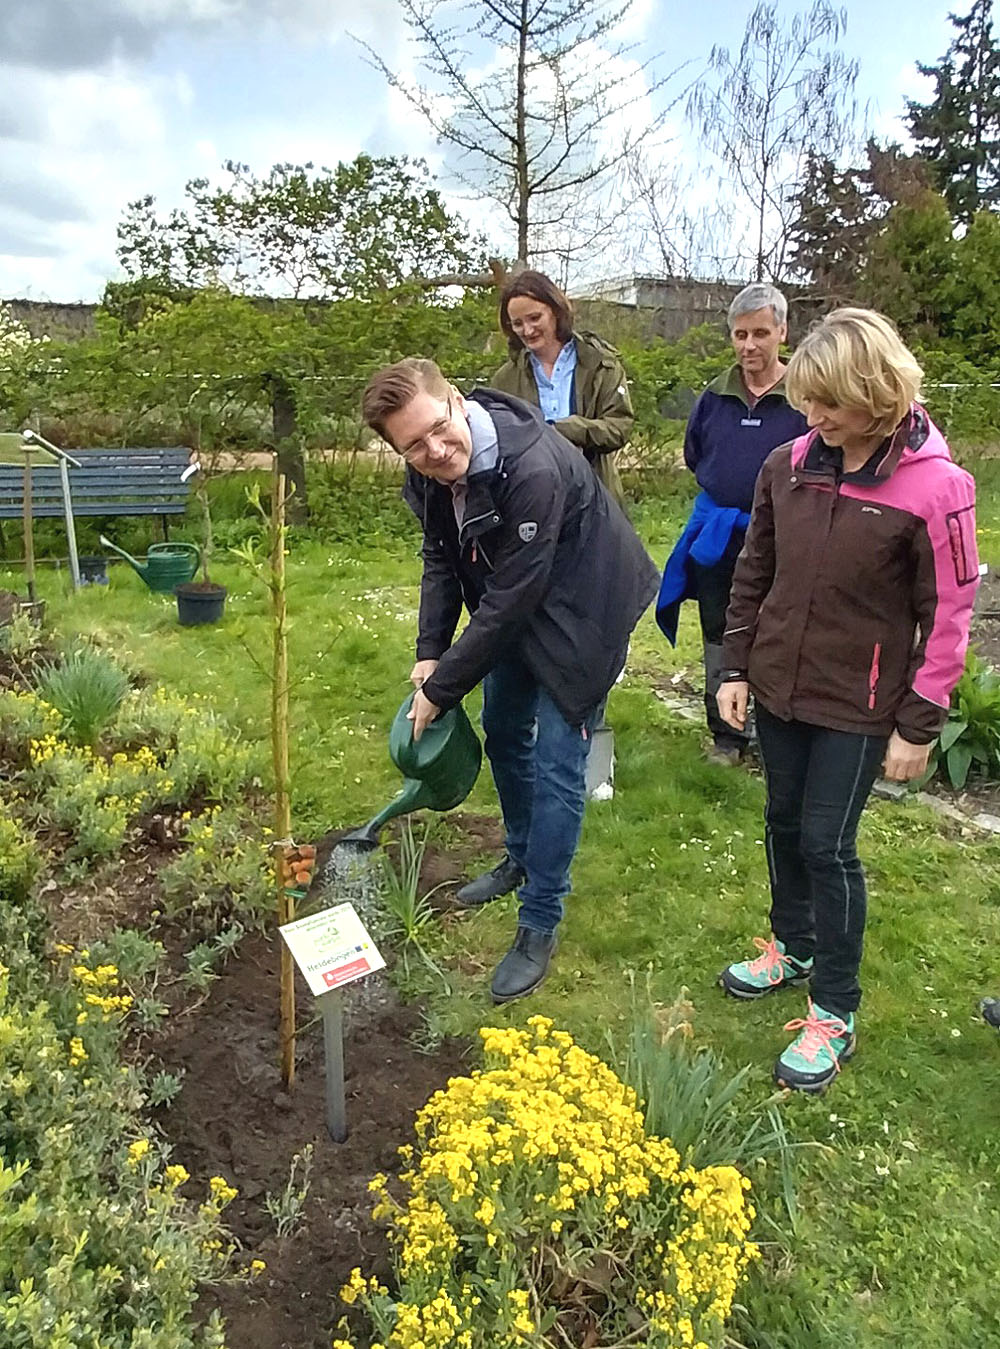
{"points": [[532, 1171], [221, 1192], [100, 984]]}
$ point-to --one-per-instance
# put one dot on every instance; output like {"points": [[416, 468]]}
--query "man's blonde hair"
{"points": [[394, 386], [854, 358]]}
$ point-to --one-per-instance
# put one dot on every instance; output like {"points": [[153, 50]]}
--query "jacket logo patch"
{"points": [[870, 510], [527, 531]]}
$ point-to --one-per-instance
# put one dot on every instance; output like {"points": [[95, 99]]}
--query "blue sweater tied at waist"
{"points": [[706, 537]]}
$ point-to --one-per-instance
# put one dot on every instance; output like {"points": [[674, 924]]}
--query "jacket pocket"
{"points": [[962, 540], [873, 675]]}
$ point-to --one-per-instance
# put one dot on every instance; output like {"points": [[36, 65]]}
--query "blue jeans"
{"points": [[539, 765]]}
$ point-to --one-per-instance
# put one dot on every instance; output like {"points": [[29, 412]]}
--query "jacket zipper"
{"points": [[873, 674]]}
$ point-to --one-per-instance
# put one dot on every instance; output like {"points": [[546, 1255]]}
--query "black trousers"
{"points": [[712, 588], [818, 781]]}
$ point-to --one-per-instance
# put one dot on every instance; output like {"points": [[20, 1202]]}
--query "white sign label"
{"points": [[332, 948]]}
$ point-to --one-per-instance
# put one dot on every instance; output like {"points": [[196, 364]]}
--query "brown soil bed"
{"points": [[232, 1118]]}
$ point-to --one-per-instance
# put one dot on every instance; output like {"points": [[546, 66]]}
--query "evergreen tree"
{"points": [[958, 131]]}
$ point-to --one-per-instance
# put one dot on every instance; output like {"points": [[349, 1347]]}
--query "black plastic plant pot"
{"points": [[94, 571], [198, 602]]}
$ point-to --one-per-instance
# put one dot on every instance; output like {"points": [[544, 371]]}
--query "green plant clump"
{"points": [[86, 688], [970, 740]]}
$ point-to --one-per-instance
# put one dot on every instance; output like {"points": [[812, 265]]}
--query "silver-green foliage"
{"points": [[86, 688]]}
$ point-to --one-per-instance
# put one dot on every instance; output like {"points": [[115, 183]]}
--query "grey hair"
{"points": [[759, 295]]}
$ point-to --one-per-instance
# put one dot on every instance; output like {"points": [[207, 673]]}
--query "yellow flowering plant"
{"points": [[537, 1211]]}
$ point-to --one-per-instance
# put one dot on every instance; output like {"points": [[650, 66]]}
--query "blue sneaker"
{"points": [[766, 973], [813, 1059]]}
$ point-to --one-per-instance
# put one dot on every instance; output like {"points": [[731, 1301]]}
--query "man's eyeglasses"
{"points": [[417, 448]]}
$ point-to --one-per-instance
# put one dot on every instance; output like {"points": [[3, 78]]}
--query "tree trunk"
{"points": [[521, 135], [291, 461]]}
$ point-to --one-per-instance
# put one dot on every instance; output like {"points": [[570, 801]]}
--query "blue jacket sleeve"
{"points": [[692, 435]]}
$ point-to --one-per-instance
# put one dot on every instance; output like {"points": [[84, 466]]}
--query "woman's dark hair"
{"points": [[535, 286]]}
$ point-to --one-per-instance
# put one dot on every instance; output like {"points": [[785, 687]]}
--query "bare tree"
{"points": [[538, 99], [786, 93]]}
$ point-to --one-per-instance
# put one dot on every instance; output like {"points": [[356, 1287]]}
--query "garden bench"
{"points": [[108, 482]]}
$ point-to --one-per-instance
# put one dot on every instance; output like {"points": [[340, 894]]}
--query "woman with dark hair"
{"points": [[574, 377]]}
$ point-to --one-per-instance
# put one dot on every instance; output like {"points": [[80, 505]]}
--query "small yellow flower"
{"points": [[257, 1267], [176, 1175], [137, 1151]]}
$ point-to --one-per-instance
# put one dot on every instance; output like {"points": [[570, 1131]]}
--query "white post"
{"points": [[74, 560]]}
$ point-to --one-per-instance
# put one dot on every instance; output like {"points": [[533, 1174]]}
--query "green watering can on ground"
{"points": [[167, 564], [440, 769]]}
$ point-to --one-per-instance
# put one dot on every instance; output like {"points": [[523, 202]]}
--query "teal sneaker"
{"points": [[813, 1059], [768, 972]]}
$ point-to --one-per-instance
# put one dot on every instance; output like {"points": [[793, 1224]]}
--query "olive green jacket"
{"points": [[604, 416]]}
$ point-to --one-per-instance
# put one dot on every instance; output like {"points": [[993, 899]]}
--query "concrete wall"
{"points": [[44, 319]]}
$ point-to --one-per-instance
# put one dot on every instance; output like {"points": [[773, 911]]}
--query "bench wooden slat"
{"points": [[144, 480]]}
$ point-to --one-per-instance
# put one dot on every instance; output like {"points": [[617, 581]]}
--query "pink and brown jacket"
{"points": [[852, 596]]}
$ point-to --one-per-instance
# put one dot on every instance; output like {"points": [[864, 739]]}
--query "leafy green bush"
{"points": [[97, 1245], [223, 873], [18, 860], [970, 741], [86, 688], [665, 378]]}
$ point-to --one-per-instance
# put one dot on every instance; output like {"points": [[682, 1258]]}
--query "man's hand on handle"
{"points": [[423, 711], [732, 699]]}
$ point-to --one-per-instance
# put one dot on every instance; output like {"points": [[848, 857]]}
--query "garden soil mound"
{"points": [[232, 1118]]}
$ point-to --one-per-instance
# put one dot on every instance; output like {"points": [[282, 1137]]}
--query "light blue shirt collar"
{"points": [[555, 391]]}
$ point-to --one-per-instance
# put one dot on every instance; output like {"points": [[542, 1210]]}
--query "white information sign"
{"points": [[332, 948]]}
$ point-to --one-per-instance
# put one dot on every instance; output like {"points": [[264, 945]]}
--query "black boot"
{"points": [[505, 877], [524, 966]]}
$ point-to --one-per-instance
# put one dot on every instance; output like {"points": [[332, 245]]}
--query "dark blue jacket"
{"points": [[727, 441]]}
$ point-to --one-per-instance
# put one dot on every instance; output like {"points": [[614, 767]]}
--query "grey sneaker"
{"points": [[990, 1008], [501, 880]]}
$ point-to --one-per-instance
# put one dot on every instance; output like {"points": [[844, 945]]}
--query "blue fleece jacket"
{"points": [[727, 440], [706, 537]]}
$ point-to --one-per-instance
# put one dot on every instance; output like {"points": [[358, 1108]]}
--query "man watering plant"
{"points": [[518, 528]]}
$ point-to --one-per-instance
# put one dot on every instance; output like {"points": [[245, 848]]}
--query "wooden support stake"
{"points": [[279, 754]]}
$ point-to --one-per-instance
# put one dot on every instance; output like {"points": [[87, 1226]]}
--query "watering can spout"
{"points": [[143, 570]]}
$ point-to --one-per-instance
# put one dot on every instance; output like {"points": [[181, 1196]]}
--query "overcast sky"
{"points": [[103, 101]]}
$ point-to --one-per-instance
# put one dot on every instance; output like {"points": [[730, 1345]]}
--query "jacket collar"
{"points": [[909, 436], [730, 385]]}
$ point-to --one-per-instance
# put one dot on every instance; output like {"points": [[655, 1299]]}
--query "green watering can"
{"points": [[440, 769], [167, 564]]}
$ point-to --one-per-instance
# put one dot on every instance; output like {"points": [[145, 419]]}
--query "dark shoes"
{"points": [[524, 966], [990, 1008], [504, 878]]}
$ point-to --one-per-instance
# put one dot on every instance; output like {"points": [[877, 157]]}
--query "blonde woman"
{"points": [[848, 619]]}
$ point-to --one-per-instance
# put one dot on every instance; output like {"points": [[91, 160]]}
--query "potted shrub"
{"points": [[201, 600]]}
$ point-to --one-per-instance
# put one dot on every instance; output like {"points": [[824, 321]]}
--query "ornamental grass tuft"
{"points": [[86, 688], [537, 1212]]}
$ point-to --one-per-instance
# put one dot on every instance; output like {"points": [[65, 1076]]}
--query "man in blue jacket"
{"points": [[739, 419], [518, 527]]}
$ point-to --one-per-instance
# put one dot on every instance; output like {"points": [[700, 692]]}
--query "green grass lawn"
{"points": [[896, 1242]]}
